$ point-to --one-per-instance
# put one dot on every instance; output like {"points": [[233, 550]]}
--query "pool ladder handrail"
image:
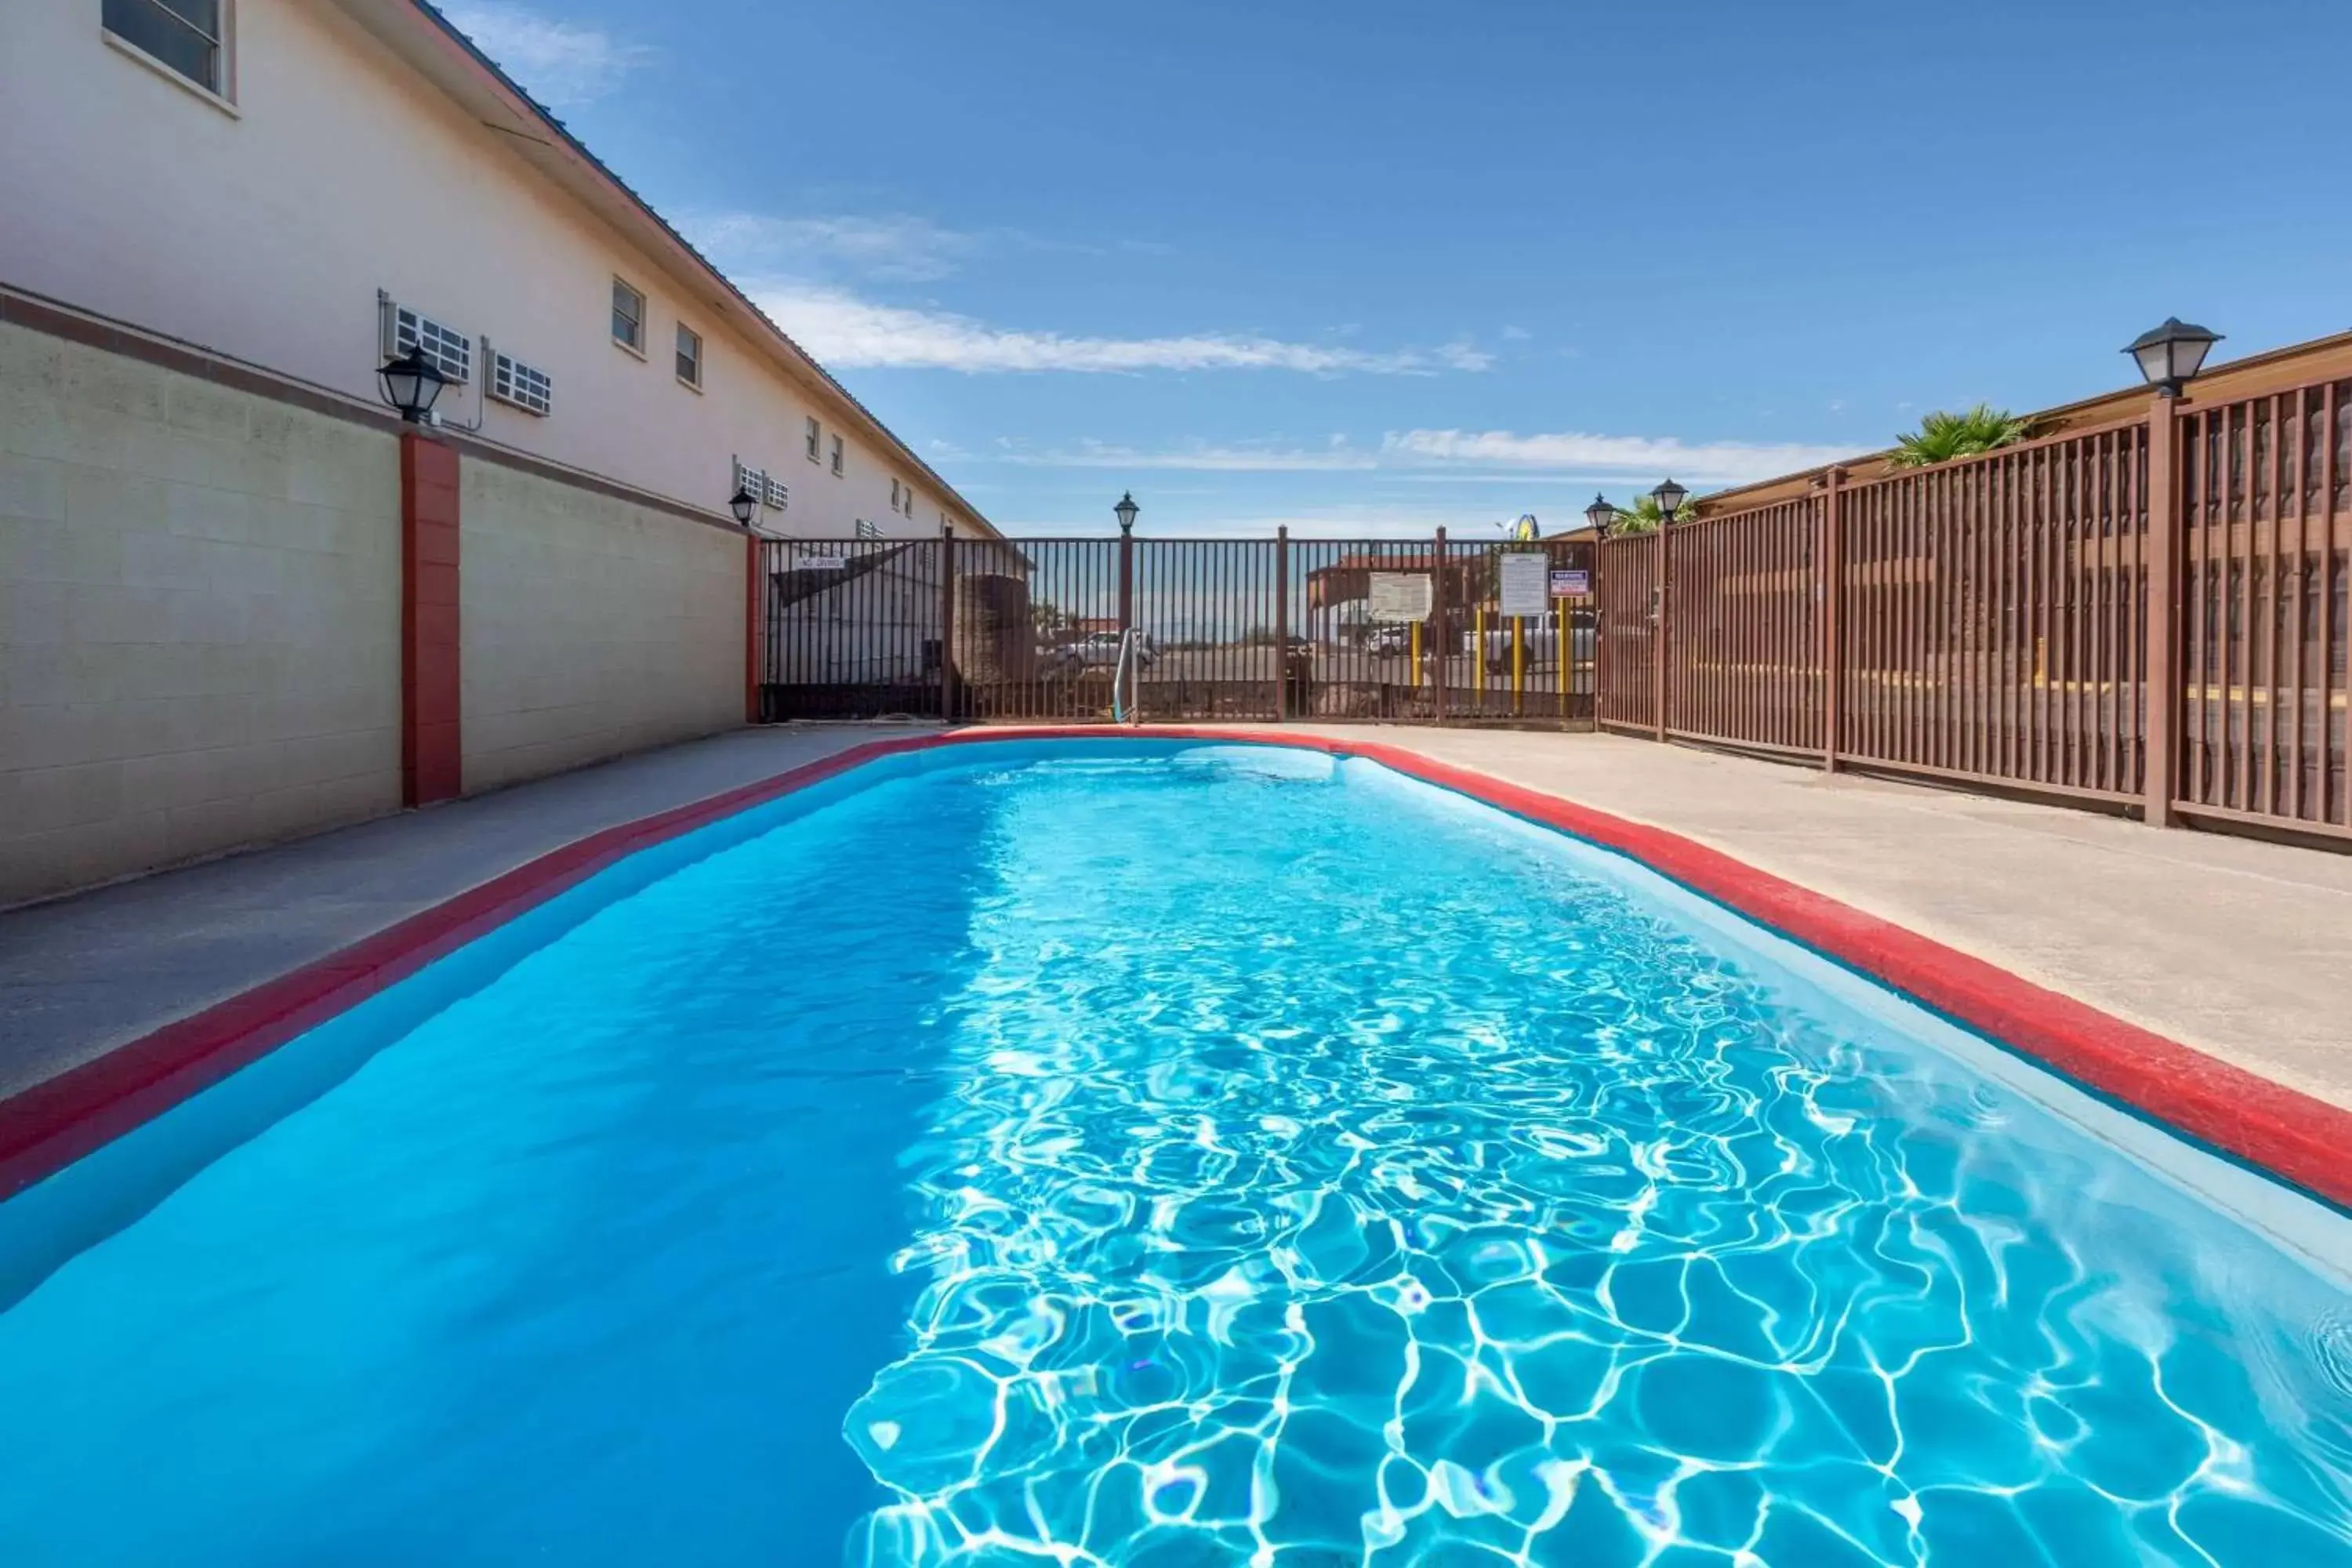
{"points": [[1122, 689]]}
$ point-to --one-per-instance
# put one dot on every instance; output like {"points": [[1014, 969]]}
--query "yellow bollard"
{"points": [[1416, 656], [1518, 664], [1563, 640], [1478, 656]]}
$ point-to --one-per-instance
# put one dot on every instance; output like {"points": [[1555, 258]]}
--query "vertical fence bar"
{"points": [[1439, 656], [1829, 578], [2160, 655], [1658, 640], [1282, 627], [947, 624]]}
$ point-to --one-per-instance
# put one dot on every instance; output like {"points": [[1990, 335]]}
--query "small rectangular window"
{"points": [[869, 529], [778, 495], [815, 439], [184, 35], [628, 317], [689, 356], [894, 495], [514, 381], [837, 454]]}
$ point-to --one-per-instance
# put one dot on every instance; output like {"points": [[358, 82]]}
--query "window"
{"points": [[514, 381], [446, 348], [628, 318], [837, 454], [869, 529], [689, 356], [183, 35], [816, 438], [894, 495], [778, 496]]}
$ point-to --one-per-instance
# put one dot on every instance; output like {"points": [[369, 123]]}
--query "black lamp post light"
{"points": [[2171, 354], [1601, 516], [410, 383], [1125, 512], [1670, 497], [744, 503]]}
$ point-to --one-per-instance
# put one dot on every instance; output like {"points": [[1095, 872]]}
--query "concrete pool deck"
{"points": [[2240, 949]]}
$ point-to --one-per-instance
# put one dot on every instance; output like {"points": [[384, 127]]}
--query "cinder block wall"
{"points": [[590, 626], [199, 617]]}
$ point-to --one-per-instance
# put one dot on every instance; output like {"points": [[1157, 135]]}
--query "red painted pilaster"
{"points": [[429, 738], [751, 630]]}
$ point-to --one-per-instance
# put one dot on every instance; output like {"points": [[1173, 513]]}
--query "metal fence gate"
{"points": [[1029, 630]]}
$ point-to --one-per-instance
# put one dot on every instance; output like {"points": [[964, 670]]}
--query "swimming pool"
{"points": [[1154, 1153]]}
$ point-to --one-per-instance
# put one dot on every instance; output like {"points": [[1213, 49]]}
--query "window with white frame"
{"points": [[837, 455], [628, 317], [869, 529], [894, 495], [521, 386], [445, 348], [689, 356], [815, 439], [778, 496], [187, 36]]}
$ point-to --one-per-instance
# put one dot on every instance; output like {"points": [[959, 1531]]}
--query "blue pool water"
{"points": [[1154, 1155]]}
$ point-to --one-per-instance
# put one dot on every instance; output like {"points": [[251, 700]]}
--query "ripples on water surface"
{"points": [[1223, 1158]]}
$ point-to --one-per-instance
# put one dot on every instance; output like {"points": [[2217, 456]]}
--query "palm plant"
{"points": [[1644, 517], [1944, 435]]}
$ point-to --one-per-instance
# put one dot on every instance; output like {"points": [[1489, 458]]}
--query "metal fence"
{"points": [[1029, 630], [2149, 613], [1991, 621]]}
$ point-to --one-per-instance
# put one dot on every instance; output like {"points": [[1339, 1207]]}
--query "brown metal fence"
{"points": [[2266, 502], [1990, 620], [1986, 621], [1746, 664], [1628, 658], [1993, 616], [1226, 629]]}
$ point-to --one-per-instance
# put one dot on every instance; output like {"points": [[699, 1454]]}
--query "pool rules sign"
{"points": [[1400, 596], [1525, 583]]}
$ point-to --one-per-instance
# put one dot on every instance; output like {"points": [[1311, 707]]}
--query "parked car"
{"points": [[1096, 650]]}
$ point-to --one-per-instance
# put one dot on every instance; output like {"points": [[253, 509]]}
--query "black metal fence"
{"points": [[1029, 630]]}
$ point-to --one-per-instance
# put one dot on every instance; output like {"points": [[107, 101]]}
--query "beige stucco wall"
{"points": [[264, 229], [590, 626], [199, 617]]}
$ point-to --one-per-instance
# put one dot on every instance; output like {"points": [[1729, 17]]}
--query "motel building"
{"points": [[240, 598]]}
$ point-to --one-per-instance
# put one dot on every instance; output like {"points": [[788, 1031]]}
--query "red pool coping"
{"points": [[2299, 1139]]}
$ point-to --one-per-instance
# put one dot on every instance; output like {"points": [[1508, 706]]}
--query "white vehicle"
{"points": [[1096, 650], [1539, 637]]}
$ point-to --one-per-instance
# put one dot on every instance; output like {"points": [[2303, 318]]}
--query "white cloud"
{"points": [[1452, 457], [1517, 334], [1339, 458], [845, 330], [562, 63], [892, 246], [1465, 356], [1717, 462]]}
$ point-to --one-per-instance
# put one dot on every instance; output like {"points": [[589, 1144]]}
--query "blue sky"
{"points": [[1374, 267]]}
